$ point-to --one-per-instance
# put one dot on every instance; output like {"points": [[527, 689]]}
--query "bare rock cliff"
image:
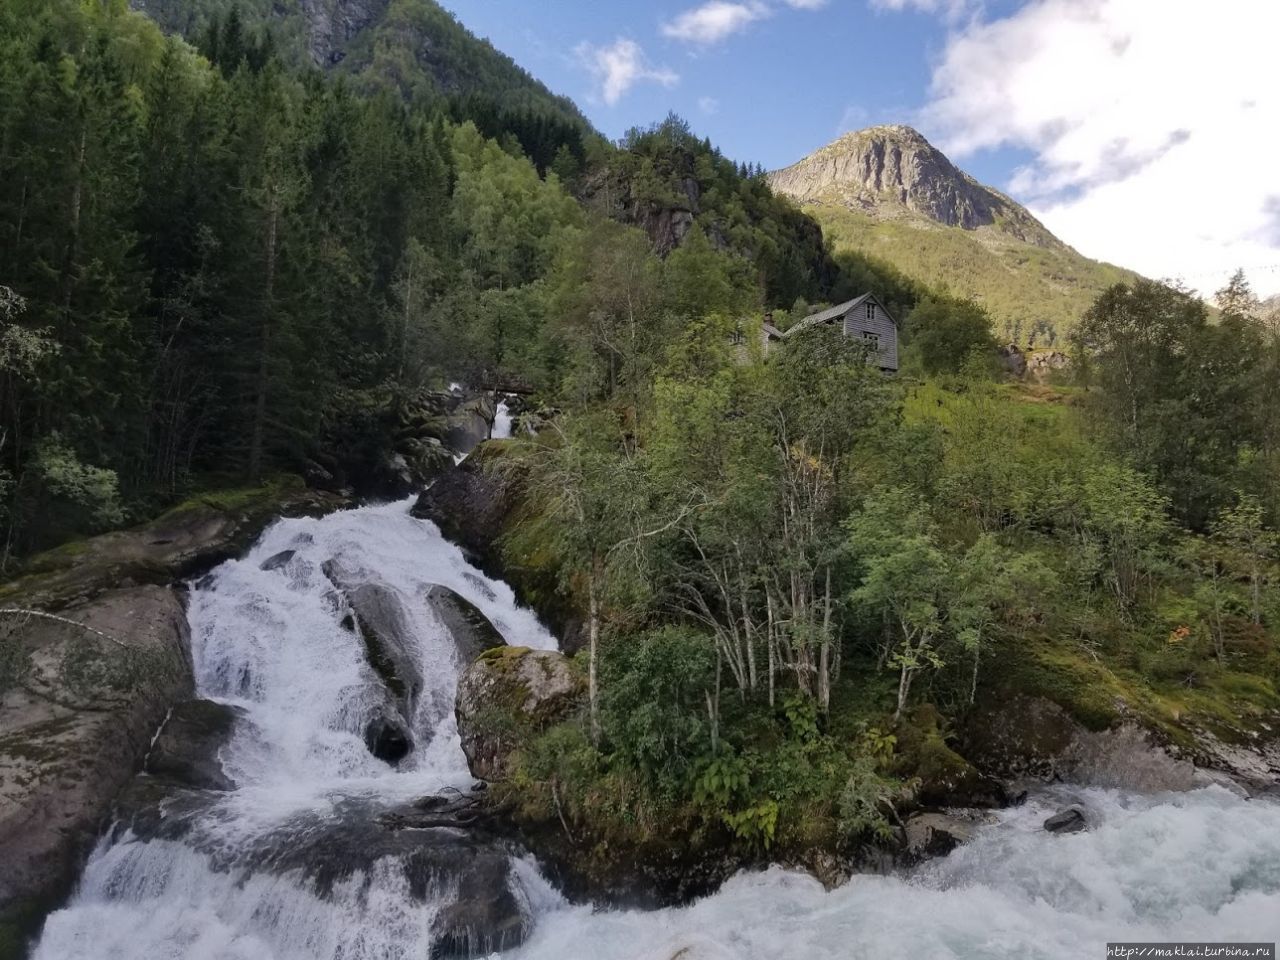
{"points": [[892, 172]]}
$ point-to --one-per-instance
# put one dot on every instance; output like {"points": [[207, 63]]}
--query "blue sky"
{"points": [[1084, 110], [777, 88]]}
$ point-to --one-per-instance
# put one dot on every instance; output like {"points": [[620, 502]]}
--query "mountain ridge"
{"points": [[886, 191]]}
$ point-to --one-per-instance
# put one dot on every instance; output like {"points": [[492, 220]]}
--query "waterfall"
{"points": [[1199, 866], [273, 642], [501, 422]]}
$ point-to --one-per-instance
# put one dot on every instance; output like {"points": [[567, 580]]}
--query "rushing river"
{"points": [[1196, 866]]}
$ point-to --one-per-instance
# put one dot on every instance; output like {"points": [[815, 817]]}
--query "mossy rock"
{"points": [[506, 697], [946, 779]]}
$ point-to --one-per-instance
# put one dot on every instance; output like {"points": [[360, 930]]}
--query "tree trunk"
{"points": [[593, 644], [904, 687], [264, 346], [73, 229]]}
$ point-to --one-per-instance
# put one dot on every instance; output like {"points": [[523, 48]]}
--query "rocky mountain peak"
{"points": [[892, 172]]}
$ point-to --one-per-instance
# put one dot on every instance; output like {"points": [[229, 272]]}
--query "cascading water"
{"points": [[1196, 866], [501, 422], [273, 642]]}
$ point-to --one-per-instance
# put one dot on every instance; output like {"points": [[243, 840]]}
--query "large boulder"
{"points": [[380, 617], [469, 627], [1020, 738], [76, 722], [187, 748], [508, 695]]}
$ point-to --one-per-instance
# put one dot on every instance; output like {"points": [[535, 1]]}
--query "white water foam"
{"points": [[501, 422], [1197, 866]]}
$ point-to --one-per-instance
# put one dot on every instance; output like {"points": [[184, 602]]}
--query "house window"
{"points": [[871, 311], [873, 340]]}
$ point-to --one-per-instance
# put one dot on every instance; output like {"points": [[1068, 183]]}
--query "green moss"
{"points": [[19, 922], [232, 499]]}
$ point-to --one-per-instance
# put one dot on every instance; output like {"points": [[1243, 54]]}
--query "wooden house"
{"points": [[864, 317]]}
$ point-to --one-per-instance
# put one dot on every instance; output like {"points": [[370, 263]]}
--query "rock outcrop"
{"points": [[179, 544], [894, 171], [186, 749], [475, 505], [89, 677], [1023, 738], [506, 696], [74, 728], [469, 627]]}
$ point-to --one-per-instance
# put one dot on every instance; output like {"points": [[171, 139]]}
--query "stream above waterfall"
{"points": [[238, 881]]}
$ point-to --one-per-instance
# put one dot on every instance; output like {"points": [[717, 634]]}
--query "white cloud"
{"points": [[621, 66], [708, 105], [951, 8], [1154, 134], [714, 21], [806, 4]]}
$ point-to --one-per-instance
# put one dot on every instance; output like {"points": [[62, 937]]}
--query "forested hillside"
{"points": [[414, 48], [799, 585]]}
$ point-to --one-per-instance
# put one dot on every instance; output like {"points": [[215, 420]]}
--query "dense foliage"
{"points": [[794, 572], [814, 570]]}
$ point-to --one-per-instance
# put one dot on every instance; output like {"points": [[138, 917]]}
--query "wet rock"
{"points": [[383, 624], [471, 629], [277, 561], [186, 748], [469, 425], [507, 695], [474, 505], [937, 834], [1032, 738], [73, 733], [445, 847], [388, 738], [485, 918], [1071, 820]]}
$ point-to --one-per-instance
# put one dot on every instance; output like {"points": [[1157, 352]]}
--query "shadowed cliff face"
{"points": [[893, 172], [333, 24]]}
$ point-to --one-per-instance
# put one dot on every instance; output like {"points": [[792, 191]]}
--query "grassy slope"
{"points": [[1021, 285], [1107, 665]]}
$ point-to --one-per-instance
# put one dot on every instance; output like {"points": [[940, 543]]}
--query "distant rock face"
{"points": [[892, 171], [333, 24]]}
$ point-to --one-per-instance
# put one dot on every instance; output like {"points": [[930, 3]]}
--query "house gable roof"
{"points": [[836, 312]]}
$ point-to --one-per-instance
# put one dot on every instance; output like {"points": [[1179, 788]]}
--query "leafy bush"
{"points": [[652, 708]]}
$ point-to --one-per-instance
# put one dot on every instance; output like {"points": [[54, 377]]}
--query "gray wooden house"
{"points": [[866, 318]]}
